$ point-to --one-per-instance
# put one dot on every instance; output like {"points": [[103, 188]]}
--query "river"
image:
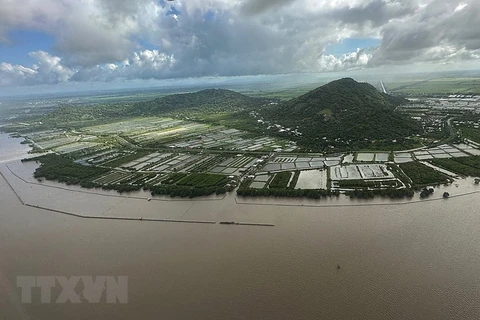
{"points": [[410, 261]]}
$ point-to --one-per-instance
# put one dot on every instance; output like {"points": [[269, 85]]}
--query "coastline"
{"points": [[26, 191]]}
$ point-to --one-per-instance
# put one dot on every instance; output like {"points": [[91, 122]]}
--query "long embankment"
{"points": [[229, 223], [97, 217], [103, 194], [11, 187], [118, 218]]}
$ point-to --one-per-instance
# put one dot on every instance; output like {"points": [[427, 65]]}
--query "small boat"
{"points": [[149, 199]]}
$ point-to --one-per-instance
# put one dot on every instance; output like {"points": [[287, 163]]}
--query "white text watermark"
{"points": [[76, 289]]}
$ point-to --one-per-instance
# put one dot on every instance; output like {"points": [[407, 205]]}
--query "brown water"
{"points": [[415, 261]]}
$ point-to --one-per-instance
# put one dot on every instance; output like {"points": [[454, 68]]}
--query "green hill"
{"points": [[209, 100], [346, 111]]}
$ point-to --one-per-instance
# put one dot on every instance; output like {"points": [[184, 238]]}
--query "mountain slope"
{"points": [[344, 110], [218, 100]]}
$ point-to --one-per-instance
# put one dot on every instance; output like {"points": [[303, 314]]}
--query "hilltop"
{"points": [[345, 112]]}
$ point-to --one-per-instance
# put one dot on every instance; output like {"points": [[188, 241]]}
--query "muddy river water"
{"points": [[336, 259]]}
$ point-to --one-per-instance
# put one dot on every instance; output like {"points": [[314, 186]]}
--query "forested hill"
{"points": [[214, 100], [344, 109]]}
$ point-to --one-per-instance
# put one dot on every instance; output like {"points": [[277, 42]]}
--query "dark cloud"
{"points": [[103, 40], [377, 12], [442, 30], [253, 7]]}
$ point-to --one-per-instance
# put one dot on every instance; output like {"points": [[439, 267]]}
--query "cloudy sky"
{"points": [[69, 41]]}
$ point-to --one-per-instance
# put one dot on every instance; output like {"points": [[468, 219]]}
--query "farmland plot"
{"points": [[258, 185], [424, 157], [302, 165], [366, 157], [469, 149], [77, 146], [348, 158], [112, 177], [361, 171], [402, 157], [272, 167], [331, 163], [402, 160], [312, 179], [442, 156], [288, 166], [381, 157], [49, 144], [375, 171], [285, 159], [262, 178], [317, 164]]}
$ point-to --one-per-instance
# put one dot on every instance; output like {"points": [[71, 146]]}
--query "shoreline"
{"points": [[117, 218], [355, 205], [92, 216], [119, 195], [237, 199]]}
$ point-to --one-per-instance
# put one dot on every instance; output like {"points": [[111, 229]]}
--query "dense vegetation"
{"points": [[62, 169], [467, 166], [471, 133], [175, 177], [291, 193], [294, 181], [205, 101], [85, 115], [210, 100], [391, 193], [422, 175], [346, 111], [117, 162], [182, 191], [280, 180]]}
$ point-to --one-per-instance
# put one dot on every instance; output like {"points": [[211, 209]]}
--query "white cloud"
{"points": [[48, 70], [103, 40], [460, 7]]}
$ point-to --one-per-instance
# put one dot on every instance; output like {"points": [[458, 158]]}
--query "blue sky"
{"points": [[51, 42], [351, 44], [22, 42]]}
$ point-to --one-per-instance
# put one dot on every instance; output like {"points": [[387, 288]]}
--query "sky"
{"points": [[53, 42]]}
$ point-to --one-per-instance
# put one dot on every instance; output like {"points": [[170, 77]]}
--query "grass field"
{"points": [[471, 133], [421, 175], [467, 166]]}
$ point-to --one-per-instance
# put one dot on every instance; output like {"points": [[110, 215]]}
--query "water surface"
{"points": [[415, 261]]}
